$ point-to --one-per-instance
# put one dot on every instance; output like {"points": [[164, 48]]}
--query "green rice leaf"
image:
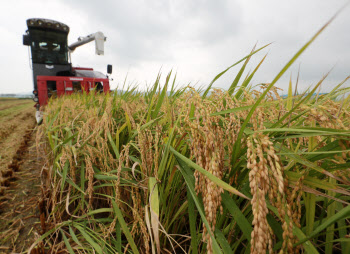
{"points": [[189, 179], [237, 214], [237, 145], [66, 242], [125, 228], [343, 213], [223, 72], [88, 238], [213, 178]]}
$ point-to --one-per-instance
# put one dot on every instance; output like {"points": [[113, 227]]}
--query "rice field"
{"points": [[182, 170], [12, 135], [19, 175]]}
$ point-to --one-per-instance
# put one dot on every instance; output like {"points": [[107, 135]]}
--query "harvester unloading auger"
{"points": [[53, 74]]}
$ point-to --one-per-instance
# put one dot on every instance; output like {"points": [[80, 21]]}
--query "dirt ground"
{"points": [[19, 176], [16, 118]]}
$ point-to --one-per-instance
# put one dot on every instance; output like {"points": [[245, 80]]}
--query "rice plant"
{"points": [[191, 171]]}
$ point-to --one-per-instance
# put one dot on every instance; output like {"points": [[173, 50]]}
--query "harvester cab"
{"points": [[53, 73]]}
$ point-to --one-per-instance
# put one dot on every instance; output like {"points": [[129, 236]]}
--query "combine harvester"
{"points": [[53, 74]]}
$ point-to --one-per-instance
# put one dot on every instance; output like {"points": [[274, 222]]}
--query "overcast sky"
{"points": [[197, 39]]}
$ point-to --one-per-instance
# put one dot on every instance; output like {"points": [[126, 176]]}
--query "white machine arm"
{"points": [[99, 42]]}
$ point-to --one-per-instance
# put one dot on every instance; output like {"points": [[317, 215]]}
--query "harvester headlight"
{"points": [[36, 99], [40, 22], [57, 25], [31, 22], [65, 28]]}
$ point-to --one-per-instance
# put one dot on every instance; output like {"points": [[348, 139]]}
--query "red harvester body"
{"points": [[53, 74]]}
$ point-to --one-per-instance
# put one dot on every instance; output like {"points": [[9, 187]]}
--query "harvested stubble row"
{"points": [[13, 137], [182, 172]]}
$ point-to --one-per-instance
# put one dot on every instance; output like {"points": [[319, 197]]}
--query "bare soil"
{"points": [[13, 128], [20, 190]]}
